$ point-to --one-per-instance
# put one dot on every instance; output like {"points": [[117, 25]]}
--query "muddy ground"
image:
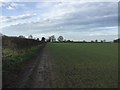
{"points": [[35, 74]]}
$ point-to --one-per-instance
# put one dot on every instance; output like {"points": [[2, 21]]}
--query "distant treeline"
{"points": [[117, 41], [102, 41], [19, 43], [61, 39], [22, 42]]}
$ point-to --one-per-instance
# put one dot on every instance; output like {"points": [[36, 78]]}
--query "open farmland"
{"points": [[84, 65]]}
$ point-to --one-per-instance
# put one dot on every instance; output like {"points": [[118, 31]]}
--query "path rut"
{"points": [[36, 74]]}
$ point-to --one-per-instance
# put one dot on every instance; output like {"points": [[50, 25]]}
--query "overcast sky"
{"points": [[72, 20]]}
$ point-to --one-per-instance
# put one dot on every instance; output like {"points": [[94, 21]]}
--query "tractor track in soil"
{"points": [[35, 74]]}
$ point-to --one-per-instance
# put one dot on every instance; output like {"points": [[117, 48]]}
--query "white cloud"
{"points": [[1, 0], [10, 8], [11, 5], [61, 0], [15, 18], [7, 21], [74, 20]]}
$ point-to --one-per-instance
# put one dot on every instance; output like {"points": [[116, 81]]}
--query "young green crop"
{"points": [[85, 65]]}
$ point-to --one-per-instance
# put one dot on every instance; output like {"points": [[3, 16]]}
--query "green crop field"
{"points": [[85, 65]]}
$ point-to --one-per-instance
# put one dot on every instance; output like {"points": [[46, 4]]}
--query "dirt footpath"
{"points": [[36, 74], [41, 76]]}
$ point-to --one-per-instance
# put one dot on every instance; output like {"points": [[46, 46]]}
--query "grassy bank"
{"points": [[85, 65], [16, 51], [17, 55], [13, 61]]}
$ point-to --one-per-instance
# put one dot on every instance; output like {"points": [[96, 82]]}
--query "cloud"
{"points": [[83, 16], [14, 18], [11, 5], [73, 20], [62, 0], [9, 21], [10, 8]]}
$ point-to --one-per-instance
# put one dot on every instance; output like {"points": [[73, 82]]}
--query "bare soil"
{"points": [[36, 73]]}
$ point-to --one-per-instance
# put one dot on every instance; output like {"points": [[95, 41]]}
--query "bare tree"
{"points": [[104, 40], [21, 36], [60, 38], [37, 39], [92, 41], [101, 41], [96, 41], [43, 39], [30, 37], [84, 41], [49, 39], [53, 39]]}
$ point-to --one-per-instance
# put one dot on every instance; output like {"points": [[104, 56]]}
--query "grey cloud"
{"points": [[87, 18], [14, 18]]}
